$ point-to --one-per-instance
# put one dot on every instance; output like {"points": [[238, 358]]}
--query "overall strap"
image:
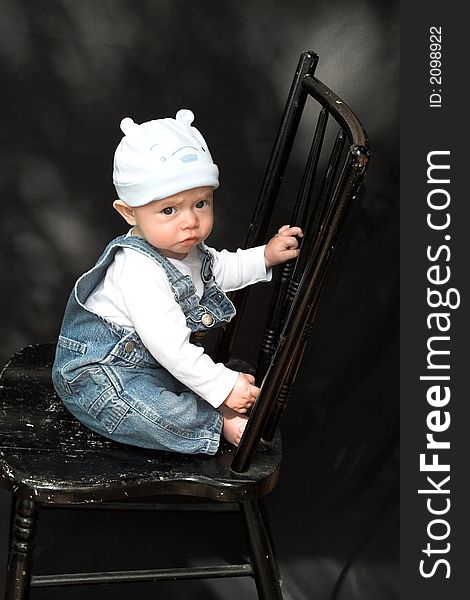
{"points": [[207, 269], [181, 285]]}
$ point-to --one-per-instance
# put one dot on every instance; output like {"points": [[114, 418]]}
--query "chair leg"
{"points": [[25, 517], [261, 552]]}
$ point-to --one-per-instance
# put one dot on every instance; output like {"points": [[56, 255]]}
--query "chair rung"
{"points": [[222, 507], [142, 575]]}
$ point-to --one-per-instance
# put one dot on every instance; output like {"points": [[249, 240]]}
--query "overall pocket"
{"points": [[95, 401], [68, 352]]}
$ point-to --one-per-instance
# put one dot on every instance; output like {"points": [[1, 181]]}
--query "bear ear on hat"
{"points": [[127, 125], [185, 116]]}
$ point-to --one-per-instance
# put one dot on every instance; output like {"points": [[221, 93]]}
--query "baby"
{"points": [[129, 364]]}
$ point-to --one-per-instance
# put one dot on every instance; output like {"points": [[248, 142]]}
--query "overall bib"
{"points": [[109, 380]]}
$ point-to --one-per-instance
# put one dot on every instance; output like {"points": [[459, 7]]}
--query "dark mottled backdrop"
{"points": [[70, 70]]}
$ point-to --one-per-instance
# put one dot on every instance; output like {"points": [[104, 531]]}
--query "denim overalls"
{"points": [[110, 381]]}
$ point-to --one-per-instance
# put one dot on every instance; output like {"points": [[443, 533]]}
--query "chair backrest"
{"points": [[334, 169]]}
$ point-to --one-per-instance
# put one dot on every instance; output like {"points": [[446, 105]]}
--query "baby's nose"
{"points": [[190, 219]]}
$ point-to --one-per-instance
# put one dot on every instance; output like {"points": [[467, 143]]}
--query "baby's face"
{"points": [[177, 223]]}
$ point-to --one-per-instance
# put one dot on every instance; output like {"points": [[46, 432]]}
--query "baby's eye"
{"points": [[201, 204], [169, 210]]}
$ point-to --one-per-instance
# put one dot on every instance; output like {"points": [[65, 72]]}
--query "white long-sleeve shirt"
{"points": [[136, 294]]}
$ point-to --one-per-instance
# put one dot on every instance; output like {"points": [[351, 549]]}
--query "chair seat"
{"points": [[47, 455]]}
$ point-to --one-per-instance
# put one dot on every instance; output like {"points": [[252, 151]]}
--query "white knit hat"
{"points": [[161, 158]]}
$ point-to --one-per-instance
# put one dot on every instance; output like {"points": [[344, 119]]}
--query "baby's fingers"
{"points": [[287, 230], [249, 377]]}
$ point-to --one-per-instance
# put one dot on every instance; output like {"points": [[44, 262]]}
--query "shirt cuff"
{"points": [[222, 387]]}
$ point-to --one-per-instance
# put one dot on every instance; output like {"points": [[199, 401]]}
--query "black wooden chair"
{"points": [[48, 459]]}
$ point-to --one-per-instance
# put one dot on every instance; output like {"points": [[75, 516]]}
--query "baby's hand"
{"points": [[244, 393], [283, 246]]}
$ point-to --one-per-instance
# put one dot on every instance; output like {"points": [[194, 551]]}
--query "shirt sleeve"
{"points": [[235, 270], [161, 325]]}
